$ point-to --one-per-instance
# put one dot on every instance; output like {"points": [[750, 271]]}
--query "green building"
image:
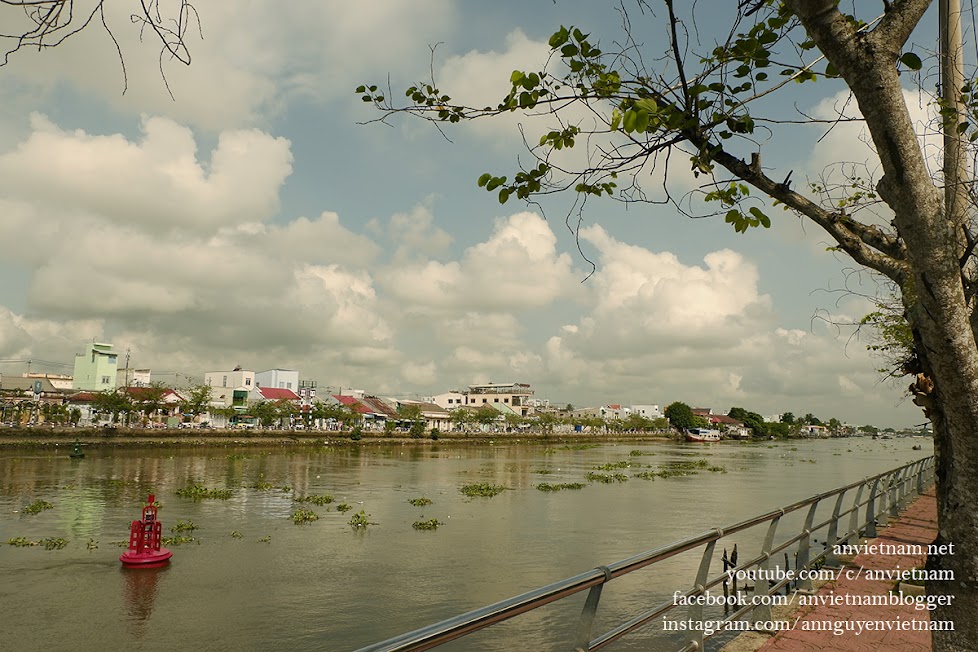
{"points": [[95, 370]]}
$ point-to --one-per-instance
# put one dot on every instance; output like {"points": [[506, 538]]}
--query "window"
{"points": [[282, 385], [506, 400], [247, 382], [288, 385], [106, 380], [485, 400], [495, 400], [225, 383]]}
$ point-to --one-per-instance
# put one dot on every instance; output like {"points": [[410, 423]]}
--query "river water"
{"points": [[254, 580]]}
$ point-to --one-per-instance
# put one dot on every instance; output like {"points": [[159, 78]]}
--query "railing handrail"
{"points": [[452, 628]]}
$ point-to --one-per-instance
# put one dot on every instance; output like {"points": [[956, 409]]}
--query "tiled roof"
{"points": [[278, 394]]}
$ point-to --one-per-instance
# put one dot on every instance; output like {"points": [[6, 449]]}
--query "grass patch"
{"points": [[430, 524], [37, 507], [483, 489], [420, 502], [543, 486]]}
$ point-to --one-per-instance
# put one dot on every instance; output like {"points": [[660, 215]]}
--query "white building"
{"points": [[514, 395], [230, 387], [278, 379], [448, 400], [647, 411]]}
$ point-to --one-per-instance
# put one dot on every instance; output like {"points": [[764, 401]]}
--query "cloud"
{"points": [[518, 267], [157, 183], [248, 59]]}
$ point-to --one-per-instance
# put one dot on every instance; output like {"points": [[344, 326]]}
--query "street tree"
{"points": [[788, 418], [197, 400], [680, 415], [653, 97]]}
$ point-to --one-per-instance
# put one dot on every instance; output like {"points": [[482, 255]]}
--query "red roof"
{"points": [[278, 394]]}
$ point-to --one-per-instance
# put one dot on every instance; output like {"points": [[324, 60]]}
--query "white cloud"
{"points": [[518, 267], [157, 183]]}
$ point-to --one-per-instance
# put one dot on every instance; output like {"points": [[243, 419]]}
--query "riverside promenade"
{"points": [[917, 525]]}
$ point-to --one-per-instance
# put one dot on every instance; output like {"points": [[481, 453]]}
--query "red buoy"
{"points": [[145, 539]]}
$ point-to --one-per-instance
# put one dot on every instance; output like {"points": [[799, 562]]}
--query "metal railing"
{"points": [[873, 501]]}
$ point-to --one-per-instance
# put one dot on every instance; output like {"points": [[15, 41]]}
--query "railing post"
{"points": [[854, 528], [832, 538], [804, 548], [703, 574], [896, 501], [582, 641], [869, 530], [762, 588], [921, 473]]}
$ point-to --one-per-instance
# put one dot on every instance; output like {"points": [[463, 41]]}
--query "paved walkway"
{"points": [[917, 525]]}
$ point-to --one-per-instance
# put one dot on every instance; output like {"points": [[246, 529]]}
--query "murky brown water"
{"points": [[324, 586]]}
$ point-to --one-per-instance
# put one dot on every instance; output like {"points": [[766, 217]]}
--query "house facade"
{"points": [[230, 388], [278, 378], [96, 368], [514, 395]]}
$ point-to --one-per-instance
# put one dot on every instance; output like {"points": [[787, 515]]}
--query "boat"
{"points": [[76, 451], [702, 434]]}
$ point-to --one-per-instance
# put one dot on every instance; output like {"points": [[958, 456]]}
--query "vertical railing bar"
{"points": [[854, 529], [702, 575], [583, 637], [804, 549], [761, 587], [832, 538], [869, 529]]}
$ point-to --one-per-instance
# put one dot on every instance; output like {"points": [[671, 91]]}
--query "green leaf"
{"points": [[911, 60], [762, 218], [504, 195], [484, 179]]}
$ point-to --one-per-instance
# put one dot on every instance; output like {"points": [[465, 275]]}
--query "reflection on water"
{"points": [[140, 588], [253, 580]]}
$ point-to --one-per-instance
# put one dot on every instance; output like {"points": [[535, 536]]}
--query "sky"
{"points": [[254, 219]]}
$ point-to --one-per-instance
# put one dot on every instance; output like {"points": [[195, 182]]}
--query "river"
{"points": [[254, 580]]}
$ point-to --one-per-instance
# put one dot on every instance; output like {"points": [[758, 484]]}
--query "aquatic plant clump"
{"points": [[430, 524], [420, 502], [645, 475], [344, 507], [324, 499], [360, 520], [199, 492], [53, 543], [178, 540], [612, 466], [301, 516], [37, 507], [483, 489], [543, 486], [263, 486], [606, 478], [21, 542], [181, 526]]}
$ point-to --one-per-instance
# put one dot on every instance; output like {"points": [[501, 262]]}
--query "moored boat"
{"points": [[702, 434]]}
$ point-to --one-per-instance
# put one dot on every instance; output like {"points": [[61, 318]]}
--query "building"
{"points": [[448, 400], [514, 395], [278, 378], [96, 368], [230, 388], [647, 411], [133, 378]]}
